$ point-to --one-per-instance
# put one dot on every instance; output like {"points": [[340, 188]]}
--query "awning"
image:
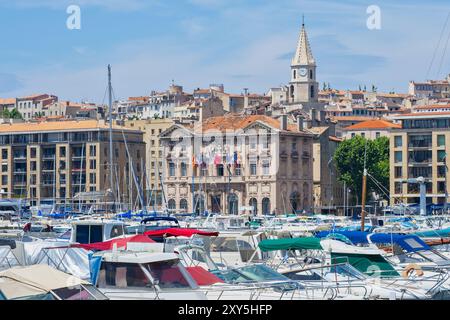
{"points": [[203, 277], [290, 244], [108, 245], [179, 232]]}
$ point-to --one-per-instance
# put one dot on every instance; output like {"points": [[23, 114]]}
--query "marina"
{"points": [[164, 258]]}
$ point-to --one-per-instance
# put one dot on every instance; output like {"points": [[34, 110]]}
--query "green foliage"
{"points": [[349, 159], [13, 114]]}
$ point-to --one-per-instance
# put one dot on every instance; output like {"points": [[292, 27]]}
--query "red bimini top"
{"points": [[108, 245]]}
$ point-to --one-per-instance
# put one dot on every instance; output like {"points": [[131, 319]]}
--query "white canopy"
{"points": [[34, 280]]}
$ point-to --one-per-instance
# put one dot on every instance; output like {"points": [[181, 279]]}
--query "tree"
{"points": [[13, 114], [349, 159]]}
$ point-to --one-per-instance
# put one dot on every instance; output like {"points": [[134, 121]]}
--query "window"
{"points": [[237, 170], [353, 134], [441, 156], [312, 92], [253, 169], [311, 74], [441, 141], [33, 153], [183, 169], [33, 166], [398, 188], [398, 155], [377, 135], [4, 167], [171, 169], [93, 178], [266, 168], [398, 141], [89, 234], [93, 164], [363, 135], [4, 180], [5, 154], [398, 172], [93, 151], [220, 170]]}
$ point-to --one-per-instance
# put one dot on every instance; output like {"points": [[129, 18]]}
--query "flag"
{"points": [[217, 159]]}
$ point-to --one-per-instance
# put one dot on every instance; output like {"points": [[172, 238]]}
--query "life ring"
{"points": [[412, 268]]}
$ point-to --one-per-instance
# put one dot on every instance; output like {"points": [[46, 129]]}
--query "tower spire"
{"points": [[303, 54]]}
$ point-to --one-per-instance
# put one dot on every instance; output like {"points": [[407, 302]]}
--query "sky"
{"points": [[238, 43]]}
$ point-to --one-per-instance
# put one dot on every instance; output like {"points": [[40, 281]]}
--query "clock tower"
{"points": [[303, 87]]}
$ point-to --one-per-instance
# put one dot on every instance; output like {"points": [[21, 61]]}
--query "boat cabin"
{"points": [[94, 231]]}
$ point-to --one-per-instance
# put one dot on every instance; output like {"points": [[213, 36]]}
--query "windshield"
{"points": [[260, 272], [168, 274]]}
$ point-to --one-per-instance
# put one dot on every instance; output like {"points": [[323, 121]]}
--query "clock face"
{"points": [[303, 72]]}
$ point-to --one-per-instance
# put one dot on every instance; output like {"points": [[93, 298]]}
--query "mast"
{"points": [[364, 191], [111, 156]]}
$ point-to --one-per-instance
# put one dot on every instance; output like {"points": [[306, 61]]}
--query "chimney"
{"points": [[284, 122], [322, 116], [300, 124], [313, 116]]}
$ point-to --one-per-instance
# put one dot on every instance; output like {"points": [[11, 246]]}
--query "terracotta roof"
{"points": [[235, 122], [53, 126], [8, 101], [373, 124]]}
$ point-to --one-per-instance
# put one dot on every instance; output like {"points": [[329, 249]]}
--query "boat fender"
{"points": [[412, 268]]}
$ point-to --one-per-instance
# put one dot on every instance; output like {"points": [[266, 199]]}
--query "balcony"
{"points": [[294, 155]]}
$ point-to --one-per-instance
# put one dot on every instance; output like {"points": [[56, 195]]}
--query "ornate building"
{"points": [[231, 163]]}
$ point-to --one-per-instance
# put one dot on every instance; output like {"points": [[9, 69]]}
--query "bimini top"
{"points": [[290, 244], [119, 243], [410, 243]]}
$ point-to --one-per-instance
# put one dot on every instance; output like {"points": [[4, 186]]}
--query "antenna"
{"points": [[303, 20]]}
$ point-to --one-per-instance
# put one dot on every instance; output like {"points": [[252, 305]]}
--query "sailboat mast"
{"points": [[364, 191], [111, 159]]}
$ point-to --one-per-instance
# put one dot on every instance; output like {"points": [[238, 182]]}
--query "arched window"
{"points": [[233, 204], [295, 74], [183, 205], [311, 74], [292, 91], [172, 204], [254, 203], [183, 168], [312, 92], [266, 206]]}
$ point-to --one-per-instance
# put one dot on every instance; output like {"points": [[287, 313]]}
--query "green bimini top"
{"points": [[290, 244]]}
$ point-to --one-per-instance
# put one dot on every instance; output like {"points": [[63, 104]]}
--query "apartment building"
{"points": [[419, 149], [151, 130], [56, 160], [32, 107], [370, 129], [433, 89], [231, 163]]}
